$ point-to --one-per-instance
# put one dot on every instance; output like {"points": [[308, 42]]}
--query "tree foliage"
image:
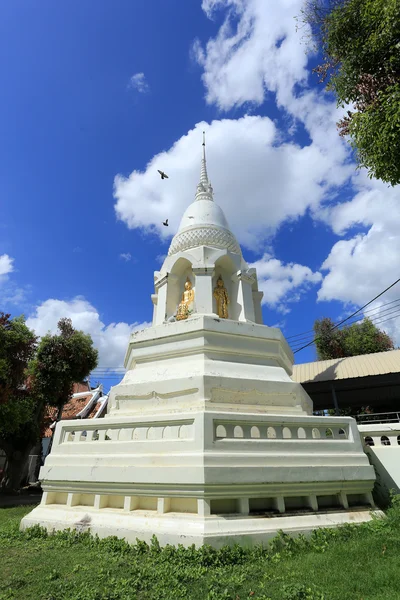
{"points": [[62, 360], [359, 338], [33, 375], [360, 44], [17, 347], [18, 425]]}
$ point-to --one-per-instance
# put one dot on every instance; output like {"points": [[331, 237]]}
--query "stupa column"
{"points": [[204, 290], [257, 297], [154, 299], [161, 302], [245, 296]]}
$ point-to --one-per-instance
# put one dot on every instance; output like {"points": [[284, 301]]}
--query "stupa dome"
{"points": [[204, 223]]}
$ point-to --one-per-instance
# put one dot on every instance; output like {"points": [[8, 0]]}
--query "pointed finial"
{"points": [[203, 172], [204, 188]]}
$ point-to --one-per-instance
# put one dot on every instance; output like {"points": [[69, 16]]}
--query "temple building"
{"points": [[207, 439]]}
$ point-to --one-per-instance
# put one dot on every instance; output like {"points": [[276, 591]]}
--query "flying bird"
{"points": [[163, 175], [165, 222]]}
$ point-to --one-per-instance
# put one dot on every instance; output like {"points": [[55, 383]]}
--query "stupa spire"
{"points": [[204, 188]]}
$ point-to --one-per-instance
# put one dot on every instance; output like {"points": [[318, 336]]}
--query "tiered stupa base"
{"points": [[208, 440], [179, 528]]}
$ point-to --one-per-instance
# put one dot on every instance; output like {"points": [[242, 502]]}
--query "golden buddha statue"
{"points": [[222, 298], [187, 300]]}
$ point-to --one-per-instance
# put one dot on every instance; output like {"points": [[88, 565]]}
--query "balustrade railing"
{"points": [[267, 431], [372, 418], [131, 432]]}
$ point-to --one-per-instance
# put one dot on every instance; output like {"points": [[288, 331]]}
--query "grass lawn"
{"points": [[349, 563]]}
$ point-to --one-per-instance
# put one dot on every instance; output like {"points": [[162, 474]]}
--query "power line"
{"points": [[350, 316], [366, 311], [378, 322], [376, 319], [107, 374], [113, 372]]}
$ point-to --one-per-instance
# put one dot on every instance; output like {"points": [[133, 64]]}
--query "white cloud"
{"points": [[261, 178], [160, 258], [126, 256], [258, 181], [256, 51], [283, 283], [110, 340], [366, 262], [138, 82], [10, 292], [6, 264]]}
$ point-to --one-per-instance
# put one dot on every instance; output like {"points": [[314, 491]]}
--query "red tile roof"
{"points": [[70, 410], [94, 410]]}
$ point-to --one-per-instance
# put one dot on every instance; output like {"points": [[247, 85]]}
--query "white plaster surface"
{"points": [[175, 528], [207, 437], [384, 455]]}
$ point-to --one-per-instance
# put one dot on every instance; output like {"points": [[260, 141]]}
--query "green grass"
{"points": [[349, 563]]}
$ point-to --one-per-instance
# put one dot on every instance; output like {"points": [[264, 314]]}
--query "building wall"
{"points": [[384, 455]]}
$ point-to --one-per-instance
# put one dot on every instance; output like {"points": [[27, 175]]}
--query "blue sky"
{"points": [[97, 95]]}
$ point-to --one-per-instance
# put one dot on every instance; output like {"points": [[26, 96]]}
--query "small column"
{"points": [[204, 507], [280, 504], [343, 500], [161, 308], [100, 501], [245, 297], [313, 502], [131, 503], [203, 298], [154, 299], [72, 499], [369, 499], [257, 297], [243, 506], [163, 505]]}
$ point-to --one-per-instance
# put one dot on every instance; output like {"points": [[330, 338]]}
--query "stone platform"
{"points": [[207, 437]]}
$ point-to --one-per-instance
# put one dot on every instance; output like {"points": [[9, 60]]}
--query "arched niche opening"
{"points": [[181, 271], [301, 433], [225, 268], [238, 432]]}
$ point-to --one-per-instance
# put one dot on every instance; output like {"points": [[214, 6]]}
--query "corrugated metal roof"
{"points": [[379, 363]]}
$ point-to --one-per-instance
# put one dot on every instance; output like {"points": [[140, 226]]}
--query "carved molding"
{"points": [[258, 295], [246, 276], [253, 397], [204, 236], [157, 395], [160, 282]]}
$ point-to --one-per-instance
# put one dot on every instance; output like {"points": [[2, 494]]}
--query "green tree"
{"points": [[62, 360], [18, 408], [359, 338], [31, 376], [359, 41]]}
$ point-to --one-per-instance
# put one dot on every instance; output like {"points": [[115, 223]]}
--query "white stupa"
{"points": [[207, 437]]}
